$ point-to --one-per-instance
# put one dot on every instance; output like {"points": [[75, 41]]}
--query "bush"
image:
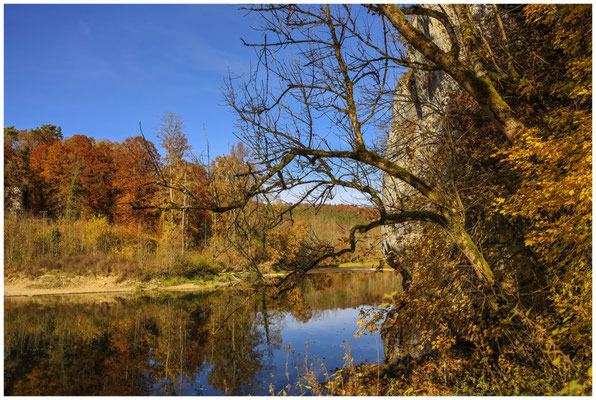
{"points": [[106, 242], [286, 244], [35, 246], [194, 267]]}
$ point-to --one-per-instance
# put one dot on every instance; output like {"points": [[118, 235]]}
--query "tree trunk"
{"points": [[184, 212], [480, 88], [467, 246], [171, 194]]}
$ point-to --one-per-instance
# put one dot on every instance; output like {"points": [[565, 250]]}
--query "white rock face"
{"points": [[421, 97]]}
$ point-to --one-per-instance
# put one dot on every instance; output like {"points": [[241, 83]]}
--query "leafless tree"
{"points": [[313, 109], [317, 108]]}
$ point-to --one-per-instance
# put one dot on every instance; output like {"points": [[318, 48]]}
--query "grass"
{"points": [[360, 264], [179, 280], [37, 246], [93, 247], [214, 279]]}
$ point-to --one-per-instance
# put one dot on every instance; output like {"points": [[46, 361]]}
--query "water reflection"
{"points": [[225, 342]]}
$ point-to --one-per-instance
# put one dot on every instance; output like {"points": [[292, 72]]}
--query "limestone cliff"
{"points": [[421, 97]]}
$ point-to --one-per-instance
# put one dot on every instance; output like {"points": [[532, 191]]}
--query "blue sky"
{"points": [[100, 69]]}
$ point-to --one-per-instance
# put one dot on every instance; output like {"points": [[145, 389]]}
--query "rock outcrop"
{"points": [[420, 99]]}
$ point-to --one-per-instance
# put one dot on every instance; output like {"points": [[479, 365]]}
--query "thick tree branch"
{"points": [[479, 87], [394, 218], [442, 17]]}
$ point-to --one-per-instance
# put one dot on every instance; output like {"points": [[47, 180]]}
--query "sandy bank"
{"points": [[63, 285], [60, 285]]}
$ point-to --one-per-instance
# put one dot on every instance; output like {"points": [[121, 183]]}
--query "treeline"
{"points": [[79, 177], [85, 206]]}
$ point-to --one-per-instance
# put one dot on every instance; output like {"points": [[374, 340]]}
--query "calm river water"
{"points": [[224, 342]]}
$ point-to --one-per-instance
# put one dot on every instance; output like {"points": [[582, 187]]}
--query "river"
{"points": [[229, 341]]}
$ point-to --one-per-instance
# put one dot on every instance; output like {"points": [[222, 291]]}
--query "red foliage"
{"points": [[134, 175], [78, 175]]}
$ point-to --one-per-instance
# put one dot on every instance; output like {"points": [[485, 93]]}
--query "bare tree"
{"points": [[315, 117], [316, 109], [173, 140], [325, 92]]}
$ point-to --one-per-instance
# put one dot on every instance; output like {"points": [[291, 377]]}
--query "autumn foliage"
{"points": [[529, 206], [525, 205], [56, 189], [71, 198], [77, 176]]}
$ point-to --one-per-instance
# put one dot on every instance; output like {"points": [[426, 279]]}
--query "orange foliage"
{"points": [[78, 174], [134, 174]]}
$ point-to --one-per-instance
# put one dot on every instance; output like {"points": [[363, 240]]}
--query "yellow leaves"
{"points": [[285, 243], [499, 200], [555, 191], [370, 320]]}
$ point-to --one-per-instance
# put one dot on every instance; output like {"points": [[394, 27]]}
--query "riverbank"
{"points": [[67, 284], [61, 284]]}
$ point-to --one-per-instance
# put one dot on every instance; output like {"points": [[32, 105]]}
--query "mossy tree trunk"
{"points": [[466, 244], [479, 86]]}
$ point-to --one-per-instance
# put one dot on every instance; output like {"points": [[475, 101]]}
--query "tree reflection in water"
{"points": [[176, 343]]}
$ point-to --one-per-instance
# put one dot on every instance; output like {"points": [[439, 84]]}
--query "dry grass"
{"points": [[35, 246]]}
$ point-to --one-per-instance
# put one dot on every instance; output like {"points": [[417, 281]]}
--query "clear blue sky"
{"points": [[100, 69]]}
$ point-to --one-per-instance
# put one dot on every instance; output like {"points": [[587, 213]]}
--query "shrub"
{"points": [[286, 244], [194, 267]]}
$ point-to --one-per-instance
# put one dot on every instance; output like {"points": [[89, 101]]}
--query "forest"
{"points": [[87, 207], [467, 129]]}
